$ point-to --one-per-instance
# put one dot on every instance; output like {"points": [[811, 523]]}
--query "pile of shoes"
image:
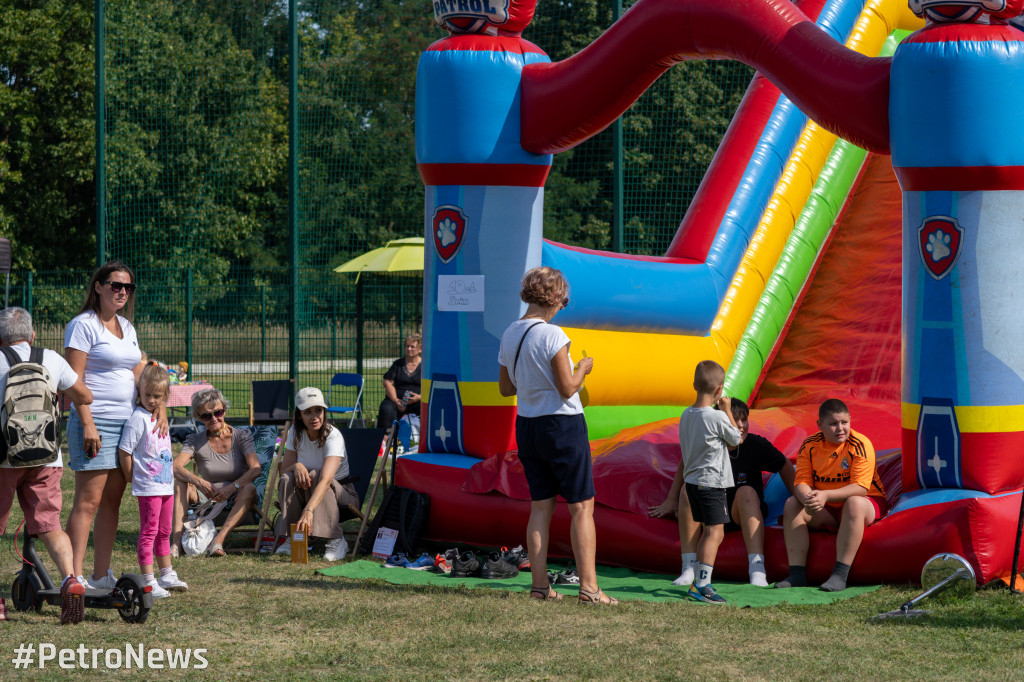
{"points": [[499, 565]]}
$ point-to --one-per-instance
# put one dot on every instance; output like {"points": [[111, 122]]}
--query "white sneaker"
{"points": [[157, 591], [83, 582], [336, 549], [758, 574], [285, 548], [107, 582], [686, 578], [171, 581]]}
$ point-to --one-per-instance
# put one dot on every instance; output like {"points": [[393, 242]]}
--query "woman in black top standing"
{"points": [[402, 384]]}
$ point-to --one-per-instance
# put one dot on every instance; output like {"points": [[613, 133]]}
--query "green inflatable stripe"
{"points": [[607, 420], [798, 257]]}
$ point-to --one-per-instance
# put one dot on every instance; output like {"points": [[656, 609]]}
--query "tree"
{"points": [[46, 133]]}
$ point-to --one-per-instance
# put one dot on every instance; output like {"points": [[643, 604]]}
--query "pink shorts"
{"points": [[39, 494]]}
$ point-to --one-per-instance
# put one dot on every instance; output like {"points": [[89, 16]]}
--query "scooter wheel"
{"points": [[24, 592], [129, 588]]}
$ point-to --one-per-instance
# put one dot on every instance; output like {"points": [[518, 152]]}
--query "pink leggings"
{"points": [[155, 512]]}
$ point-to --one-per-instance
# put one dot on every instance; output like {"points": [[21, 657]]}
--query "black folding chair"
{"points": [[270, 402]]}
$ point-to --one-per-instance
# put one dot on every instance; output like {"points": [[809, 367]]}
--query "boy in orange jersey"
{"points": [[836, 487]]}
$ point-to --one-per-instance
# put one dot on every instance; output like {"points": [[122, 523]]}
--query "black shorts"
{"points": [[730, 499], [708, 505], [555, 453]]}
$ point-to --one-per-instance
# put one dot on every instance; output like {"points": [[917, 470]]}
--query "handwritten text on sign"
{"points": [[461, 293]]}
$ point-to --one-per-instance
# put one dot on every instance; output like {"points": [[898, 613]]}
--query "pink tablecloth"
{"points": [[181, 394]]}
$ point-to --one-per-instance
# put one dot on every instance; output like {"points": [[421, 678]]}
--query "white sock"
{"points": [[689, 564], [758, 576], [165, 571], [703, 574], [148, 577]]}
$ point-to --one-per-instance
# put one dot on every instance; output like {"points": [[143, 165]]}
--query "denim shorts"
{"points": [[555, 453], [110, 438]]}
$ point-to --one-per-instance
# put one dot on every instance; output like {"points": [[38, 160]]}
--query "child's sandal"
{"points": [[594, 598], [545, 593]]}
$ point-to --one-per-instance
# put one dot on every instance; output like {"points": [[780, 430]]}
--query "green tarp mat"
{"points": [[622, 583]]}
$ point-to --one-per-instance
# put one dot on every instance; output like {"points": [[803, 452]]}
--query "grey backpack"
{"points": [[29, 413]]}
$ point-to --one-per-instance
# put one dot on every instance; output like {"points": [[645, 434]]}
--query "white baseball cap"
{"points": [[309, 397]]}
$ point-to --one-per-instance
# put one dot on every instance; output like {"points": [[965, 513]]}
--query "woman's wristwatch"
{"points": [[237, 487]]}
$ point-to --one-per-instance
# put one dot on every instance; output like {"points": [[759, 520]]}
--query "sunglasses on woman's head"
{"points": [[116, 287], [565, 303], [207, 416]]}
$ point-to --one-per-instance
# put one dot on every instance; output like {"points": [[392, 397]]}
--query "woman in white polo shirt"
{"points": [[315, 482], [101, 346]]}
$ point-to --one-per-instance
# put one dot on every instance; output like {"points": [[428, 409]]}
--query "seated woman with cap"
{"points": [[315, 482]]}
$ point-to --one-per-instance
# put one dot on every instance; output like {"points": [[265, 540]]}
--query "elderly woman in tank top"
{"points": [[226, 465]]}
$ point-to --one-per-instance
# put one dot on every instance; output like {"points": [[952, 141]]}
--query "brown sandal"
{"points": [[545, 593], [594, 598]]}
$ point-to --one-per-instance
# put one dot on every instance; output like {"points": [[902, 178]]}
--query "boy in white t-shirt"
{"points": [[147, 462]]}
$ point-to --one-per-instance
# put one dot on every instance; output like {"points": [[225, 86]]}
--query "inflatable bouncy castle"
{"points": [[853, 238]]}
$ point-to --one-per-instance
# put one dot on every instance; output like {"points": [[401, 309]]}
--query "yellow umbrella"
{"points": [[398, 255]]}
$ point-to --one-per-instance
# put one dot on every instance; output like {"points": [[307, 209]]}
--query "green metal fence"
{"points": [[248, 147]]}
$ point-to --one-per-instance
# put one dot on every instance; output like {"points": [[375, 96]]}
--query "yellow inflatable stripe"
{"points": [[474, 393], [974, 418]]}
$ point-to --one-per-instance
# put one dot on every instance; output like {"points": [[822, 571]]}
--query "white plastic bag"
{"points": [[198, 531]]}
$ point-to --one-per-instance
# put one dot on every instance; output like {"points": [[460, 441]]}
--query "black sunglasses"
{"points": [[116, 287], [207, 416], [565, 303]]}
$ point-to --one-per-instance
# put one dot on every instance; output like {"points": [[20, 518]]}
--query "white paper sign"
{"points": [[384, 544], [460, 293]]}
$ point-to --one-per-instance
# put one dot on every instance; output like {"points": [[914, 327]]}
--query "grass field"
{"points": [[264, 618]]}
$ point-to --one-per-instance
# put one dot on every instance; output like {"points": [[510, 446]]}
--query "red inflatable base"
{"points": [[979, 527]]}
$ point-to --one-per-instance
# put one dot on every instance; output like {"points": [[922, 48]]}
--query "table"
{"points": [[180, 395]]}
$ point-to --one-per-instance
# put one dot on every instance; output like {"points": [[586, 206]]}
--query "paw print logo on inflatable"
{"points": [[940, 238], [449, 227]]}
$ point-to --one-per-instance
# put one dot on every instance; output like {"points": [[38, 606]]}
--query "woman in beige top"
{"points": [[226, 465]]}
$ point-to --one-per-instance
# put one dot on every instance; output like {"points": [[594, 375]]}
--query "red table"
{"points": [[181, 394]]}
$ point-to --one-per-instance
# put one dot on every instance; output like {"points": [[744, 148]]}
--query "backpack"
{"points": [[404, 510], [30, 430]]}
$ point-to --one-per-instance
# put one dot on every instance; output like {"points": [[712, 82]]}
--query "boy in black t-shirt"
{"points": [[747, 508]]}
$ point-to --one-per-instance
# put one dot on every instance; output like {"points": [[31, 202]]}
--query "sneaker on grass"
{"points": [[171, 581], [466, 565], [396, 561], [285, 548], [443, 562], [336, 549], [421, 563], [157, 591], [498, 568], [705, 594]]}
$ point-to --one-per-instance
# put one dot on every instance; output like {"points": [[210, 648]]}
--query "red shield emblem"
{"points": [[449, 227], [939, 239]]}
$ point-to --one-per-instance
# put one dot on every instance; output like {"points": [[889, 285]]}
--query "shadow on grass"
{"points": [[330, 584]]}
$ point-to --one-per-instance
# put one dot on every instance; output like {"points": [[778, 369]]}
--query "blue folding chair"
{"points": [[344, 379]]}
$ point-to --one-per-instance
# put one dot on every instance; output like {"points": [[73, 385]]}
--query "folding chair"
{"points": [[270, 402], [347, 380], [361, 448]]}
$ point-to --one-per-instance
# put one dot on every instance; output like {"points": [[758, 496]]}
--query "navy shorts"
{"points": [[555, 452], [708, 505]]}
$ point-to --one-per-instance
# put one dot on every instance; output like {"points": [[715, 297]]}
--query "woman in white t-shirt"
{"points": [[551, 432], [315, 483], [101, 346]]}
